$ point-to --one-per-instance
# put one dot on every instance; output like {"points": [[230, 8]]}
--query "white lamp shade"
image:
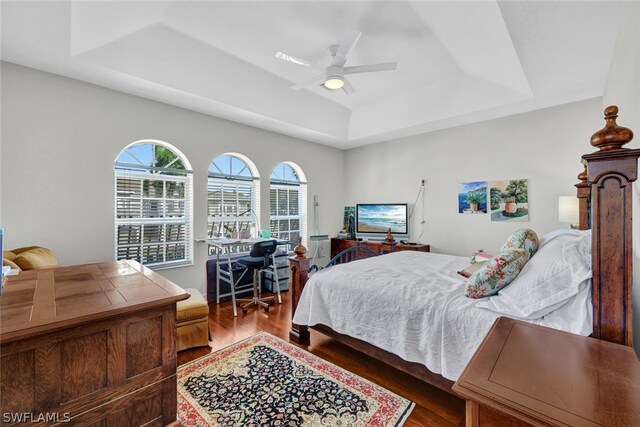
{"points": [[568, 209]]}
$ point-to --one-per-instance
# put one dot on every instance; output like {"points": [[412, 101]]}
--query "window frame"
{"points": [[140, 173], [287, 182], [236, 182]]}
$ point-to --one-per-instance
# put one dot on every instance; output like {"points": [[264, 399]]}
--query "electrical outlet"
{"points": [[423, 182]]}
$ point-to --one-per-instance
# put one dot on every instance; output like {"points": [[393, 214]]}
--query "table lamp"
{"points": [[568, 210]]}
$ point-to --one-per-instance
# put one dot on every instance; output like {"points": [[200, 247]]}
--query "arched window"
{"points": [[233, 196], [288, 202], [153, 215]]}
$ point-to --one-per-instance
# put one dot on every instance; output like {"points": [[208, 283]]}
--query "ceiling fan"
{"points": [[333, 76]]}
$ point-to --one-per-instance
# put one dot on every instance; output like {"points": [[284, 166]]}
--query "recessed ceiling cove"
{"points": [[457, 62]]}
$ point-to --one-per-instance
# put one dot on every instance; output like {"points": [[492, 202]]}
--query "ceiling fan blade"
{"points": [[315, 80], [299, 61], [370, 68], [348, 42], [348, 87]]}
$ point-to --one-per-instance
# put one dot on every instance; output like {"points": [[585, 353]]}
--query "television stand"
{"points": [[339, 245]]}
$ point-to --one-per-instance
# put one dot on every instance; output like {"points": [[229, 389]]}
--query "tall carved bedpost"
{"points": [[583, 200], [610, 172], [299, 265]]}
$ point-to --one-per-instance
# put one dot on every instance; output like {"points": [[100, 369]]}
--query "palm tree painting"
{"points": [[509, 200], [472, 197]]}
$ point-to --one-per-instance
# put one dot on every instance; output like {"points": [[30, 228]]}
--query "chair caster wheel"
{"points": [[266, 309], [244, 311]]}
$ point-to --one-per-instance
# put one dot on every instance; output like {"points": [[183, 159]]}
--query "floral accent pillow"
{"points": [[497, 273], [525, 238]]}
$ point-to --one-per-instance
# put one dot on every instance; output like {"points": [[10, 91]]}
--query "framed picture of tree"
{"points": [[472, 197], [509, 200]]}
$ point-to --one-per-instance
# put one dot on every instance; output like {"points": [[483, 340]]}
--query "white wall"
{"points": [[623, 90], [543, 146], [61, 136]]}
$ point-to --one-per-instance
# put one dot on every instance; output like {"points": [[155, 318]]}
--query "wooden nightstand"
{"points": [[523, 375]]}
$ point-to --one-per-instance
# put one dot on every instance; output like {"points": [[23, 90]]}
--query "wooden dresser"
{"points": [[339, 245], [528, 375], [91, 344]]}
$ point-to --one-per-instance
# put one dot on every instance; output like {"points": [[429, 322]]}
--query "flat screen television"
{"points": [[373, 220]]}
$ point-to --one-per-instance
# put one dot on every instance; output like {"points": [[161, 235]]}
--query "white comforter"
{"points": [[409, 303]]}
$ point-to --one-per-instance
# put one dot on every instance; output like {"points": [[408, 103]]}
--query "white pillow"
{"points": [[575, 316], [551, 277]]}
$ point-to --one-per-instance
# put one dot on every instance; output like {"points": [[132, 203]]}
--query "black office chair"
{"points": [[260, 258]]}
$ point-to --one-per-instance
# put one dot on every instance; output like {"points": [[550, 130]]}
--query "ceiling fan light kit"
{"points": [[333, 77], [334, 83]]}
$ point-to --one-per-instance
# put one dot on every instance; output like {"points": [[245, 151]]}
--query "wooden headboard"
{"points": [[605, 200]]}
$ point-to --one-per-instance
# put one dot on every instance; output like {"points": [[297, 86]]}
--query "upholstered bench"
{"points": [[192, 321]]}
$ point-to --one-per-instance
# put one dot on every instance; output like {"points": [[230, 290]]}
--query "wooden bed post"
{"points": [[610, 172], [299, 265], [583, 200]]}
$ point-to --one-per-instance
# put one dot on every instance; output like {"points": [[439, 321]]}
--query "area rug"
{"points": [[265, 381]]}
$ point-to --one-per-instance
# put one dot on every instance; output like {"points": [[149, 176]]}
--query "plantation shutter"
{"points": [[287, 205], [232, 200], [230, 206]]}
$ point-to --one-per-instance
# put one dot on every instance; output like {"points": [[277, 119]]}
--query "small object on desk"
{"points": [[5, 271], [524, 374], [389, 238], [265, 232]]}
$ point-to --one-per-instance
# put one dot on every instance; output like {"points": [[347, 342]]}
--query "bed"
{"points": [[378, 305]]}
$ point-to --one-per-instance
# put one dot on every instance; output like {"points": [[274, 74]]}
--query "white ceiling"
{"points": [[458, 62]]}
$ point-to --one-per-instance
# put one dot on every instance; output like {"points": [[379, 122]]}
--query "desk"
{"points": [[224, 247], [93, 343], [528, 375]]}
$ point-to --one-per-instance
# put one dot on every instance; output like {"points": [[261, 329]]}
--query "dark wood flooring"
{"points": [[433, 406]]}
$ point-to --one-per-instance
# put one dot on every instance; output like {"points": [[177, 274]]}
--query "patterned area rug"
{"points": [[265, 381]]}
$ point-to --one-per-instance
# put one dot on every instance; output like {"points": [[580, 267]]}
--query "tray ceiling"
{"points": [[458, 62]]}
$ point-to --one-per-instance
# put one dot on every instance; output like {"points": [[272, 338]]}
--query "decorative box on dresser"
{"points": [[528, 375], [91, 344], [339, 245]]}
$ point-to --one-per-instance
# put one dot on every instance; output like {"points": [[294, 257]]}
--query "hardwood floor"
{"points": [[433, 406]]}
